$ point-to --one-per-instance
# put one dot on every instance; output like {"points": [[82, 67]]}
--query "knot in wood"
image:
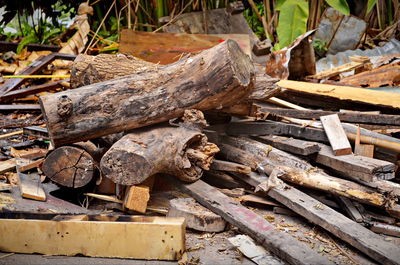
{"points": [[64, 106]]}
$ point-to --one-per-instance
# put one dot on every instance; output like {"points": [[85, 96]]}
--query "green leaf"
{"points": [[25, 41], [340, 5], [292, 22], [370, 6], [279, 4]]}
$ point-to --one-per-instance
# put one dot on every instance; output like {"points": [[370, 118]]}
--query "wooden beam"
{"points": [[364, 168], [354, 116], [276, 128], [385, 99], [138, 237], [12, 107], [279, 243], [295, 146], [229, 166], [391, 230], [336, 135], [342, 227], [31, 90]]}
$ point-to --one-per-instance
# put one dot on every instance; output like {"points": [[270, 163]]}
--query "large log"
{"points": [[88, 69], [178, 151], [218, 77]]}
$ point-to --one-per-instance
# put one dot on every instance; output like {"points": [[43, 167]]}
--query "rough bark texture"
{"points": [[218, 77], [178, 151], [69, 166], [88, 69]]}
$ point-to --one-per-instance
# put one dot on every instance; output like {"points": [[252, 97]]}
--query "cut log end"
{"points": [[69, 167]]}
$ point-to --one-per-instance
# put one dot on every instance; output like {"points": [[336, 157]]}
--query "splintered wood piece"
{"points": [[136, 198], [351, 210], [26, 164], [150, 97], [295, 146], [69, 166], [254, 252], [336, 135], [344, 228], [137, 237], [31, 189], [7, 165], [196, 216], [281, 244], [158, 149], [229, 166]]}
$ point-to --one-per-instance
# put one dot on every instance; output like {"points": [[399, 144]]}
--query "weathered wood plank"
{"points": [[137, 237], [281, 244], [295, 146], [336, 135], [31, 189], [354, 117], [229, 166], [364, 168], [351, 210], [276, 128], [379, 98]]}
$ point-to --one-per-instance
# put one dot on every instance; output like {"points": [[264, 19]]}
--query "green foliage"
{"points": [[370, 5], [340, 5], [292, 22], [320, 46], [253, 21]]}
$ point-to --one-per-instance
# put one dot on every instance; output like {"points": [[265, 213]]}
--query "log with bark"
{"points": [[88, 69], [181, 151], [215, 78]]}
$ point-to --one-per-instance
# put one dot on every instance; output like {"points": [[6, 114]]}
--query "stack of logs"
{"points": [[130, 120], [115, 121]]}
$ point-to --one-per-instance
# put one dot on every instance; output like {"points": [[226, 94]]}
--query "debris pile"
{"points": [[197, 138]]}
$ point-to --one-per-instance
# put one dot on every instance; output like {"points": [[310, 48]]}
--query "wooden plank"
{"points": [[26, 164], [2, 136], [279, 243], [36, 131], [337, 70], [366, 150], [138, 237], [166, 48], [136, 198], [31, 90], [5, 186], [351, 210], [342, 227], [295, 146], [13, 107], [336, 135], [385, 99], [31, 189], [354, 117], [276, 128], [284, 103], [229, 166], [364, 168], [7, 165]]}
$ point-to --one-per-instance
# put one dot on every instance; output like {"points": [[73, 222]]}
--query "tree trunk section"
{"points": [[177, 151], [88, 69], [69, 166], [215, 78]]}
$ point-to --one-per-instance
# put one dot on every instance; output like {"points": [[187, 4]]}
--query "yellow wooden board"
{"points": [[140, 238], [344, 93]]}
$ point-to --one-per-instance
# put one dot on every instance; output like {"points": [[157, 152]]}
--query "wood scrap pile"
{"points": [[209, 125]]}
